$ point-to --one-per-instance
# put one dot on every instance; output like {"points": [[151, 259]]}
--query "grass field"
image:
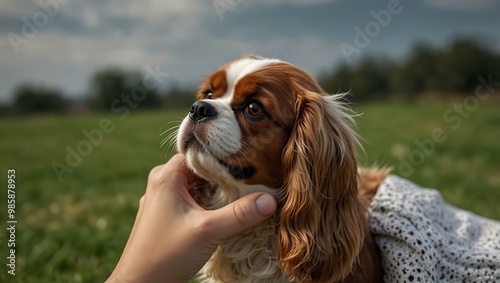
{"points": [[74, 230]]}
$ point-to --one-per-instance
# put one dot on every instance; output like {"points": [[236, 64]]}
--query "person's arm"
{"points": [[173, 237]]}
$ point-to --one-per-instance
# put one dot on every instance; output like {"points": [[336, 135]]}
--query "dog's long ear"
{"points": [[321, 223]]}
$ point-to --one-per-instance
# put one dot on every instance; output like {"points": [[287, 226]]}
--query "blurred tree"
{"points": [[371, 79], [177, 97], [5, 110], [113, 87], [454, 69], [30, 98], [463, 62], [418, 73], [368, 80], [337, 81]]}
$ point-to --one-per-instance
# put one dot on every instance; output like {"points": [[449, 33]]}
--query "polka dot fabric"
{"points": [[423, 239]]}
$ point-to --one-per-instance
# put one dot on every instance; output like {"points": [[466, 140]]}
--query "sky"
{"points": [[61, 43]]}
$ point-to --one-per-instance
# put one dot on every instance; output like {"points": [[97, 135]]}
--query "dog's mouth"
{"points": [[191, 142], [238, 172]]}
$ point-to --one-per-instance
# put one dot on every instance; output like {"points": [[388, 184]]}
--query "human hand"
{"points": [[173, 237]]}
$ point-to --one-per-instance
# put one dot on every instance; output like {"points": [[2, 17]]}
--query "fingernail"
{"points": [[265, 205]]}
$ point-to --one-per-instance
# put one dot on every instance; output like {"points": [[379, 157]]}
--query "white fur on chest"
{"points": [[247, 257]]}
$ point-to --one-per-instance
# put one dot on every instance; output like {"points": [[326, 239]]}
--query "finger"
{"points": [[178, 164], [170, 183], [242, 214], [176, 167], [172, 174]]}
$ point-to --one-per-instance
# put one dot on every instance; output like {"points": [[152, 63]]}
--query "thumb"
{"points": [[243, 214]]}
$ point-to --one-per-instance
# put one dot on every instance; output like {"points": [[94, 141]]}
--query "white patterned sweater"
{"points": [[424, 239]]}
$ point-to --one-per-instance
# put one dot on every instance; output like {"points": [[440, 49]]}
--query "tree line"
{"points": [[450, 70], [109, 89]]}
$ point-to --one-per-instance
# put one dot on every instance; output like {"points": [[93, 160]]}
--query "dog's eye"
{"points": [[254, 110], [208, 94]]}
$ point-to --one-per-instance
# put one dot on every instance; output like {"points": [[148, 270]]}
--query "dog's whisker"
{"points": [[170, 129], [168, 141], [171, 135], [171, 122]]}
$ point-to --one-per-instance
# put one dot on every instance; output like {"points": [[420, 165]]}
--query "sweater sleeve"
{"points": [[421, 238]]}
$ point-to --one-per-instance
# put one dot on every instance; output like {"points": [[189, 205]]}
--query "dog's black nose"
{"points": [[202, 111]]}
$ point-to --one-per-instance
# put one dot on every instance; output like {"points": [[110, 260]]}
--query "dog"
{"points": [[265, 125]]}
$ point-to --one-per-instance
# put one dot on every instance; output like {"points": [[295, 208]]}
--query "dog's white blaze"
{"points": [[240, 69]]}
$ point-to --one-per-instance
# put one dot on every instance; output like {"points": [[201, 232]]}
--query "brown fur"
{"points": [[323, 234]]}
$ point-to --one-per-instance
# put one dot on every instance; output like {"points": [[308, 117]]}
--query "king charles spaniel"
{"points": [[266, 125]]}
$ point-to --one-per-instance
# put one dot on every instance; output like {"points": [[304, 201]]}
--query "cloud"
{"points": [[18, 7], [290, 2], [462, 5], [188, 40]]}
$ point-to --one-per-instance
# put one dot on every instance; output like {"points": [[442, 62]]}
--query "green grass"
{"points": [[75, 230]]}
